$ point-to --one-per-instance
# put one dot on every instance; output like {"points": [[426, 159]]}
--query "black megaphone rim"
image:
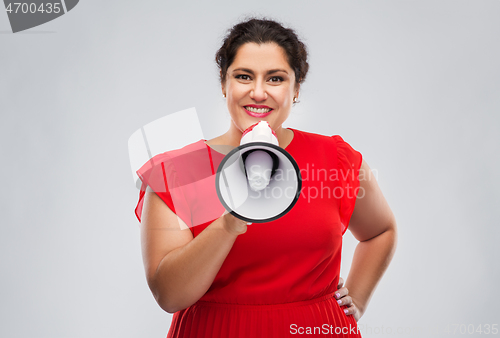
{"points": [[253, 144]]}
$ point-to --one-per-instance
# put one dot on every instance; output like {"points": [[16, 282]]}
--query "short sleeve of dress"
{"points": [[160, 175], [349, 163]]}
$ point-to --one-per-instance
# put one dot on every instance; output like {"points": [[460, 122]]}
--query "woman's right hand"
{"points": [[234, 225]]}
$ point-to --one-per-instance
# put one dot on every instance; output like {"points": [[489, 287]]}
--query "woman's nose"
{"points": [[258, 93]]}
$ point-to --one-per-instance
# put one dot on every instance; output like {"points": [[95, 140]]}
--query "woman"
{"points": [[226, 278]]}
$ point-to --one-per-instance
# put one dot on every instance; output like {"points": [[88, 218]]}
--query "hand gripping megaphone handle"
{"points": [[227, 212]]}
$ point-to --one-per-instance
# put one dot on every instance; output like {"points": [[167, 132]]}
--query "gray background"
{"points": [[413, 85]]}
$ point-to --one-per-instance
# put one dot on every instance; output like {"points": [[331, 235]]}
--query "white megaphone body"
{"points": [[258, 181]]}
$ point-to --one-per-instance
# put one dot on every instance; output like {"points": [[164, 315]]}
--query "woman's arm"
{"points": [[180, 268], [374, 225]]}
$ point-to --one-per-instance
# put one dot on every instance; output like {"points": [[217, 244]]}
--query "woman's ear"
{"points": [[222, 84], [223, 90]]}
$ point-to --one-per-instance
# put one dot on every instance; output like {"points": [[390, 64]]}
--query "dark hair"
{"points": [[263, 31]]}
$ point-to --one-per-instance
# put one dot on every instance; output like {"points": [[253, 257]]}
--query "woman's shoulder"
{"points": [[174, 158], [316, 137], [327, 144]]}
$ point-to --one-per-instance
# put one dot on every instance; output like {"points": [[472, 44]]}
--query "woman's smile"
{"points": [[256, 110]]}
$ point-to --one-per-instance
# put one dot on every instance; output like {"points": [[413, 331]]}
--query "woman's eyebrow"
{"points": [[268, 72]]}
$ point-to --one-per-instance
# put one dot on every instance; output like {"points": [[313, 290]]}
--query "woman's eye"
{"points": [[276, 79], [243, 77]]}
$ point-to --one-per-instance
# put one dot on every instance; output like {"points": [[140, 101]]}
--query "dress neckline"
{"points": [[294, 131]]}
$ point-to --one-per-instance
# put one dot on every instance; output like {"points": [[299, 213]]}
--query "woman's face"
{"points": [[260, 85]]}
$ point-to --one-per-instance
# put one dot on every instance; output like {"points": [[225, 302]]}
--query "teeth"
{"points": [[258, 110]]}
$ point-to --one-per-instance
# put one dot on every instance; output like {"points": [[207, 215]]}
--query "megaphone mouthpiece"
{"points": [[259, 132]]}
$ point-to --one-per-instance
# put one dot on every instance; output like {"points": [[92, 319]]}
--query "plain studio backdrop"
{"points": [[413, 85]]}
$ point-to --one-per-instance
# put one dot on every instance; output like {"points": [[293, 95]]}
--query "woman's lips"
{"points": [[251, 113]]}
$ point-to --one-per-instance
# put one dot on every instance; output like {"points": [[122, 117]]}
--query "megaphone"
{"points": [[258, 181]]}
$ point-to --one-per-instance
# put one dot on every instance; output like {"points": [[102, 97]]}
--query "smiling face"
{"points": [[260, 85]]}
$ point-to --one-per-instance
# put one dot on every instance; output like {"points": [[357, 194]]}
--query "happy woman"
{"points": [[227, 278]]}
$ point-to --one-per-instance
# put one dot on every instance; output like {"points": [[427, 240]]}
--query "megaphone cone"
{"points": [[258, 181]]}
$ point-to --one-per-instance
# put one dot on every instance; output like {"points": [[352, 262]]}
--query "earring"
{"points": [[295, 100], [224, 95]]}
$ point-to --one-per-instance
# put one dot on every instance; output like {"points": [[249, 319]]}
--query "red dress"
{"points": [[280, 277]]}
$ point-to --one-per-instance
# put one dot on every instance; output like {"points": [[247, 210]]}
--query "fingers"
{"points": [[346, 300], [227, 212], [234, 225], [341, 283], [351, 310], [342, 292]]}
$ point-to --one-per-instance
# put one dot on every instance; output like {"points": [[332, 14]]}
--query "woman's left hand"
{"points": [[343, 298]]}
